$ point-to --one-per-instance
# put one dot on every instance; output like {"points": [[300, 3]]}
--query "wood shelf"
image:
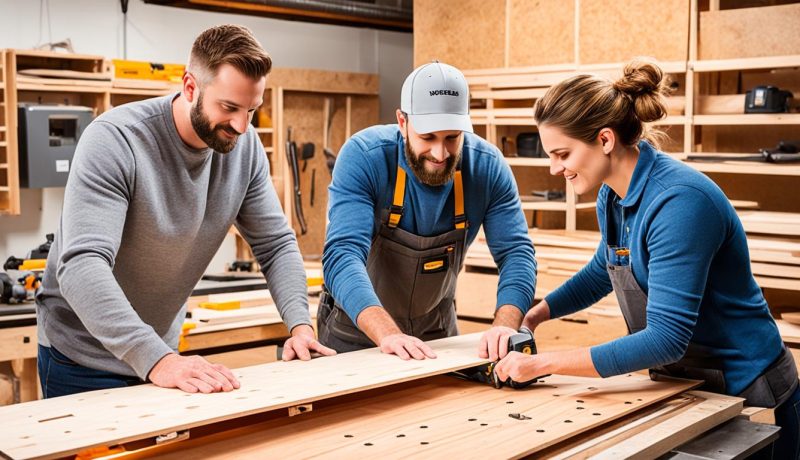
{"points": [[139, 92], [739, 167], [553, 206], [3, 144], [771, 62], [672, 120], [269, 149], [264, 130], [534, 162], [3, 165], [749, 119], [4, 188], [64, 88]]}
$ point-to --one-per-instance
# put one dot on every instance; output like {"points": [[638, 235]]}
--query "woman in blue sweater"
{"points": [[673, 250]]}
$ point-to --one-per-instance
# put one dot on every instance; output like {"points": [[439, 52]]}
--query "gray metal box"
{"points": [[48, 135]]}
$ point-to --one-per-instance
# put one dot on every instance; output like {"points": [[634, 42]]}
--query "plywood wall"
{"points": [[749, 32], [468, 34], [616, 31], [540, 32], [305, 113], [475, 34]]}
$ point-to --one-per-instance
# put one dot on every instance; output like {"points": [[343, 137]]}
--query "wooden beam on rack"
{"points": [[769, 62], [348, 127], [749, 119]]}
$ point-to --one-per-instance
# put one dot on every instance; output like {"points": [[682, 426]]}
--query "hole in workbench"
{"points": [[192, 407], [596, 413], [579, 408], [401, 436], [592, 388], [472, 420], [567, 421], [424, 443], [67, 432], [628, 402], [484, 424], [423, 426], [367, 443], [509, 402], [540, 431], [348, 436], [579, 401]]}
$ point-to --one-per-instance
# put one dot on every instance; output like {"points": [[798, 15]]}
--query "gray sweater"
{"points": [[143, 216]]}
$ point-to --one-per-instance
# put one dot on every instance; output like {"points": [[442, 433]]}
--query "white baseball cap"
{"points": [[436, 98]]}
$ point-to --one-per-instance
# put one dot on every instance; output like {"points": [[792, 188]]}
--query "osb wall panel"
{"points": [[468, 34], [618, 31], [541, 32], [304, 112], [749, 32]]}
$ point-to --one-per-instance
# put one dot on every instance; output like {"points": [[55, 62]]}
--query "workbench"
{"points": [[372, 405]]}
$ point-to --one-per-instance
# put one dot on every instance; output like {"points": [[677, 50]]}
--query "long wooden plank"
{"points": [[66, 425], [714, 410], [444, 418]]}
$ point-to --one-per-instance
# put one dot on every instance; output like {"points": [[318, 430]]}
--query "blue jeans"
{"points": [[61, 376], [787, 416]]}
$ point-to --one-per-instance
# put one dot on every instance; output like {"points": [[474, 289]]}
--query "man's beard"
{"points": [[432, 178], [209, 135]]}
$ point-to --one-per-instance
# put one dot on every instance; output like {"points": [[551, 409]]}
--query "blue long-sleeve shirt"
{"points": [[689, 254], [362, 187]]}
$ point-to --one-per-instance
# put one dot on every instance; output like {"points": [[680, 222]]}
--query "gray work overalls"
{"points": [[413, 276], [774, 386]]}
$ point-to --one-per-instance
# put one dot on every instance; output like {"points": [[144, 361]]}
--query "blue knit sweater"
{"points": [[689, 254]]}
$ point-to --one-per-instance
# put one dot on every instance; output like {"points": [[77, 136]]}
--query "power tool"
{"points": [[522, 342]]}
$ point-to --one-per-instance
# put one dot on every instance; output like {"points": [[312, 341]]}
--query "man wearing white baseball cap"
{"points": [[405, 202]]}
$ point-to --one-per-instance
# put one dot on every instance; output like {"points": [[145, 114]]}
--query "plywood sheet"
{"points": [[619, 31], [323, 81], [749, 32], [541, 32], [468, 34], [65, 425], [447, 418]]}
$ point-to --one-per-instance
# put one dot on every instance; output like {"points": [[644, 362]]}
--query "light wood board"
{"points": [[749, 32], [468, 34], [620, 31], [66, 425], [540, 34], [443, 417]]}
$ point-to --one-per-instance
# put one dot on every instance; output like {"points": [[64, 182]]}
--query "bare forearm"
{"points": [[508, 316], [576, 362], [377, 323]]}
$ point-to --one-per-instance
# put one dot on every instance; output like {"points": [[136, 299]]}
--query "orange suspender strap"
{"points": [[396, 211], [461, 219]]}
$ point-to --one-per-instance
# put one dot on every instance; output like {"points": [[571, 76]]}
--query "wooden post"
{"points": [[12, 146], [691, 80], [572, 212], [349, 115]]}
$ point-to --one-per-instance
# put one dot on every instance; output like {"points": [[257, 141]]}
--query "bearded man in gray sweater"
{"points": [[155, 186]]}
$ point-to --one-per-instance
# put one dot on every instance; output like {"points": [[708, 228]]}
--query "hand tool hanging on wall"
{"points": [[307, 153], [313, 181], [291, 156], [521, 342]]}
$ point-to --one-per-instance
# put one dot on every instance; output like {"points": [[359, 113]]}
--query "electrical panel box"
{"points": [[48, 135]]}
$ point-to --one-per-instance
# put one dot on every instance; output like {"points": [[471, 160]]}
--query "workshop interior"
{"points": [[399, 229]]}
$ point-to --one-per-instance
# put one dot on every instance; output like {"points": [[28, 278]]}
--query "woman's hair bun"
{"points": [[645, 84]]}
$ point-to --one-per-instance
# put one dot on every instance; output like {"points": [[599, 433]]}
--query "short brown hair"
{"points": [[583, 105], [228, 44]]}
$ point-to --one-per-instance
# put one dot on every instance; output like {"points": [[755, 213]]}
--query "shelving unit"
{"points": [[503, 100]]}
